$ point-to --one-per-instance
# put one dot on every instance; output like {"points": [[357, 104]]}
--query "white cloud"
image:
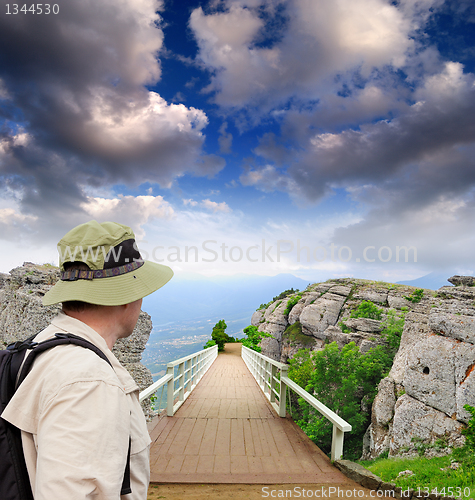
{"points": [[320, 41], [190, 202], [13, 224], [226, 243], [212, 206], [129, 210], [215, 206], [267, 178]]}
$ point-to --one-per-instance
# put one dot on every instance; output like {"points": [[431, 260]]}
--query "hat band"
{"points": [[100, 273]]}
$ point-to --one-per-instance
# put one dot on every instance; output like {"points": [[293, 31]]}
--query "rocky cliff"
{"points": [[421, 401], [22, 314]]}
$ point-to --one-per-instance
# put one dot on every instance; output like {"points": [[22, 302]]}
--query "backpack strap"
{"points": [[61, 339], [58, 339]]}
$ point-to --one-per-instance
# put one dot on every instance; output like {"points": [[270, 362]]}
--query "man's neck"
{"points": [[103, 320]]}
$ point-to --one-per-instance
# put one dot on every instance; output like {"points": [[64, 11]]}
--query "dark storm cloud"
{"points": [[425, 142], [74, 85]]}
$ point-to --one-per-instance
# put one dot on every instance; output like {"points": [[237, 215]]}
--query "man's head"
{"points": [[101, 265]]}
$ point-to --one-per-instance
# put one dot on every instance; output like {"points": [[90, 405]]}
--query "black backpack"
{"points": [[14, 479]]}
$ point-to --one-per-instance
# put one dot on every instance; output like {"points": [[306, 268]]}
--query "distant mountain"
{"points": [[193, 296], [432, 281]]}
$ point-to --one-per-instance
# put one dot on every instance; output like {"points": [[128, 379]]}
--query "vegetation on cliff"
{"points": [[346, 380]]}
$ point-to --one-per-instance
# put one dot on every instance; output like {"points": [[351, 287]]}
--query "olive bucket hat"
{"points": [[118, 274]]}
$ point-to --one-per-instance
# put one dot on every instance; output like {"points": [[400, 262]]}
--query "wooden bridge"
{"points": [[227, 432]]}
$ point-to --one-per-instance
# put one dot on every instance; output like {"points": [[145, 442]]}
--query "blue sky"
{"points": [[316, 137]]}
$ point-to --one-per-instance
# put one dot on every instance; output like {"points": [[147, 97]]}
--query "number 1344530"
{"points": [[34, 8]]}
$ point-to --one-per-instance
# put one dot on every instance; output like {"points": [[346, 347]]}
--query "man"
{"points": [[80, 417]]}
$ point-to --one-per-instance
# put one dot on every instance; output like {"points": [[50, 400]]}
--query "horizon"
{"points": [[244, 136]]}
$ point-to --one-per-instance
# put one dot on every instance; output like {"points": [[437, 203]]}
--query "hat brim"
{"points": [[113, 291]]}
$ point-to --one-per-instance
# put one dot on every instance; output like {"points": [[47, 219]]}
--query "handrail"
{"points": [[265, 371], [190, 371]]}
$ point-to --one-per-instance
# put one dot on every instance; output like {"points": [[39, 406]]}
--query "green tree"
{"points": [[301, 367], [219, 334]]}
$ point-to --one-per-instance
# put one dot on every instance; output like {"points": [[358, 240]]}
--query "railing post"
{"points": [[283, 392], [181, 374], [273, 374], [170, 390], [337, 443]]}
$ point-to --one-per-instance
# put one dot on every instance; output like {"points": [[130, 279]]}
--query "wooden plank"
{"points": [[194, 441], [177, 447], [237, 438], [209, 437], [223, 441], [239, 464], [190, 464], [248, 439], [205, 464]]}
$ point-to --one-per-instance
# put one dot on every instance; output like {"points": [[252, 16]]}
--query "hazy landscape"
{"points": [[185, 311]]}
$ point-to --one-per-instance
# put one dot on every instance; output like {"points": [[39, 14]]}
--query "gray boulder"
{"points": [[324, 312], [364, 325], [257, 317], [462, 280], [453, 324], [414, 419]]}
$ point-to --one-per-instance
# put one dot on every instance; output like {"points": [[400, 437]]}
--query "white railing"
{"points": [[182, 377], [265, 371]]}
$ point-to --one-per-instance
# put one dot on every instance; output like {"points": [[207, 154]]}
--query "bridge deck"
{"points": [[227, 432]]}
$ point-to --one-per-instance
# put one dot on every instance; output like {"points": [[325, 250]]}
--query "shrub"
{"points": [[210, 343], [284, 294], [469, 432], [281, 296], [291, 303], [367, 310], [416, 296], [253, 338]]}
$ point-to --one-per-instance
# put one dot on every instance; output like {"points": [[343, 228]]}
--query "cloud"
{"points": [[191, 203], [440, 231], [13, 224], [75, 84], [225, 139], [216, 207], [317, 41], [269, 179], [428, 144], [129, 210], [209, 205]]}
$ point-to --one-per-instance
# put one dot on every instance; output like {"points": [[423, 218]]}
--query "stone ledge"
{"points": [[359, 474], [367, 479]]}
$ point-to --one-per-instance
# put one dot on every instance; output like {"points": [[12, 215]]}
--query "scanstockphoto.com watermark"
{"points": [[324, 492], [211, 251], [337, 492], [214, 251]]}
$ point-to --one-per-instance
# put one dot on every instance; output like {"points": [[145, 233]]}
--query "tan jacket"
{"points": [[76, 414]]}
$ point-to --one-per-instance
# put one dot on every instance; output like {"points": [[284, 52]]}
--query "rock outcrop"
{"points": [[22, 315], [321, 314], [421, 402], [422, 399]]}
